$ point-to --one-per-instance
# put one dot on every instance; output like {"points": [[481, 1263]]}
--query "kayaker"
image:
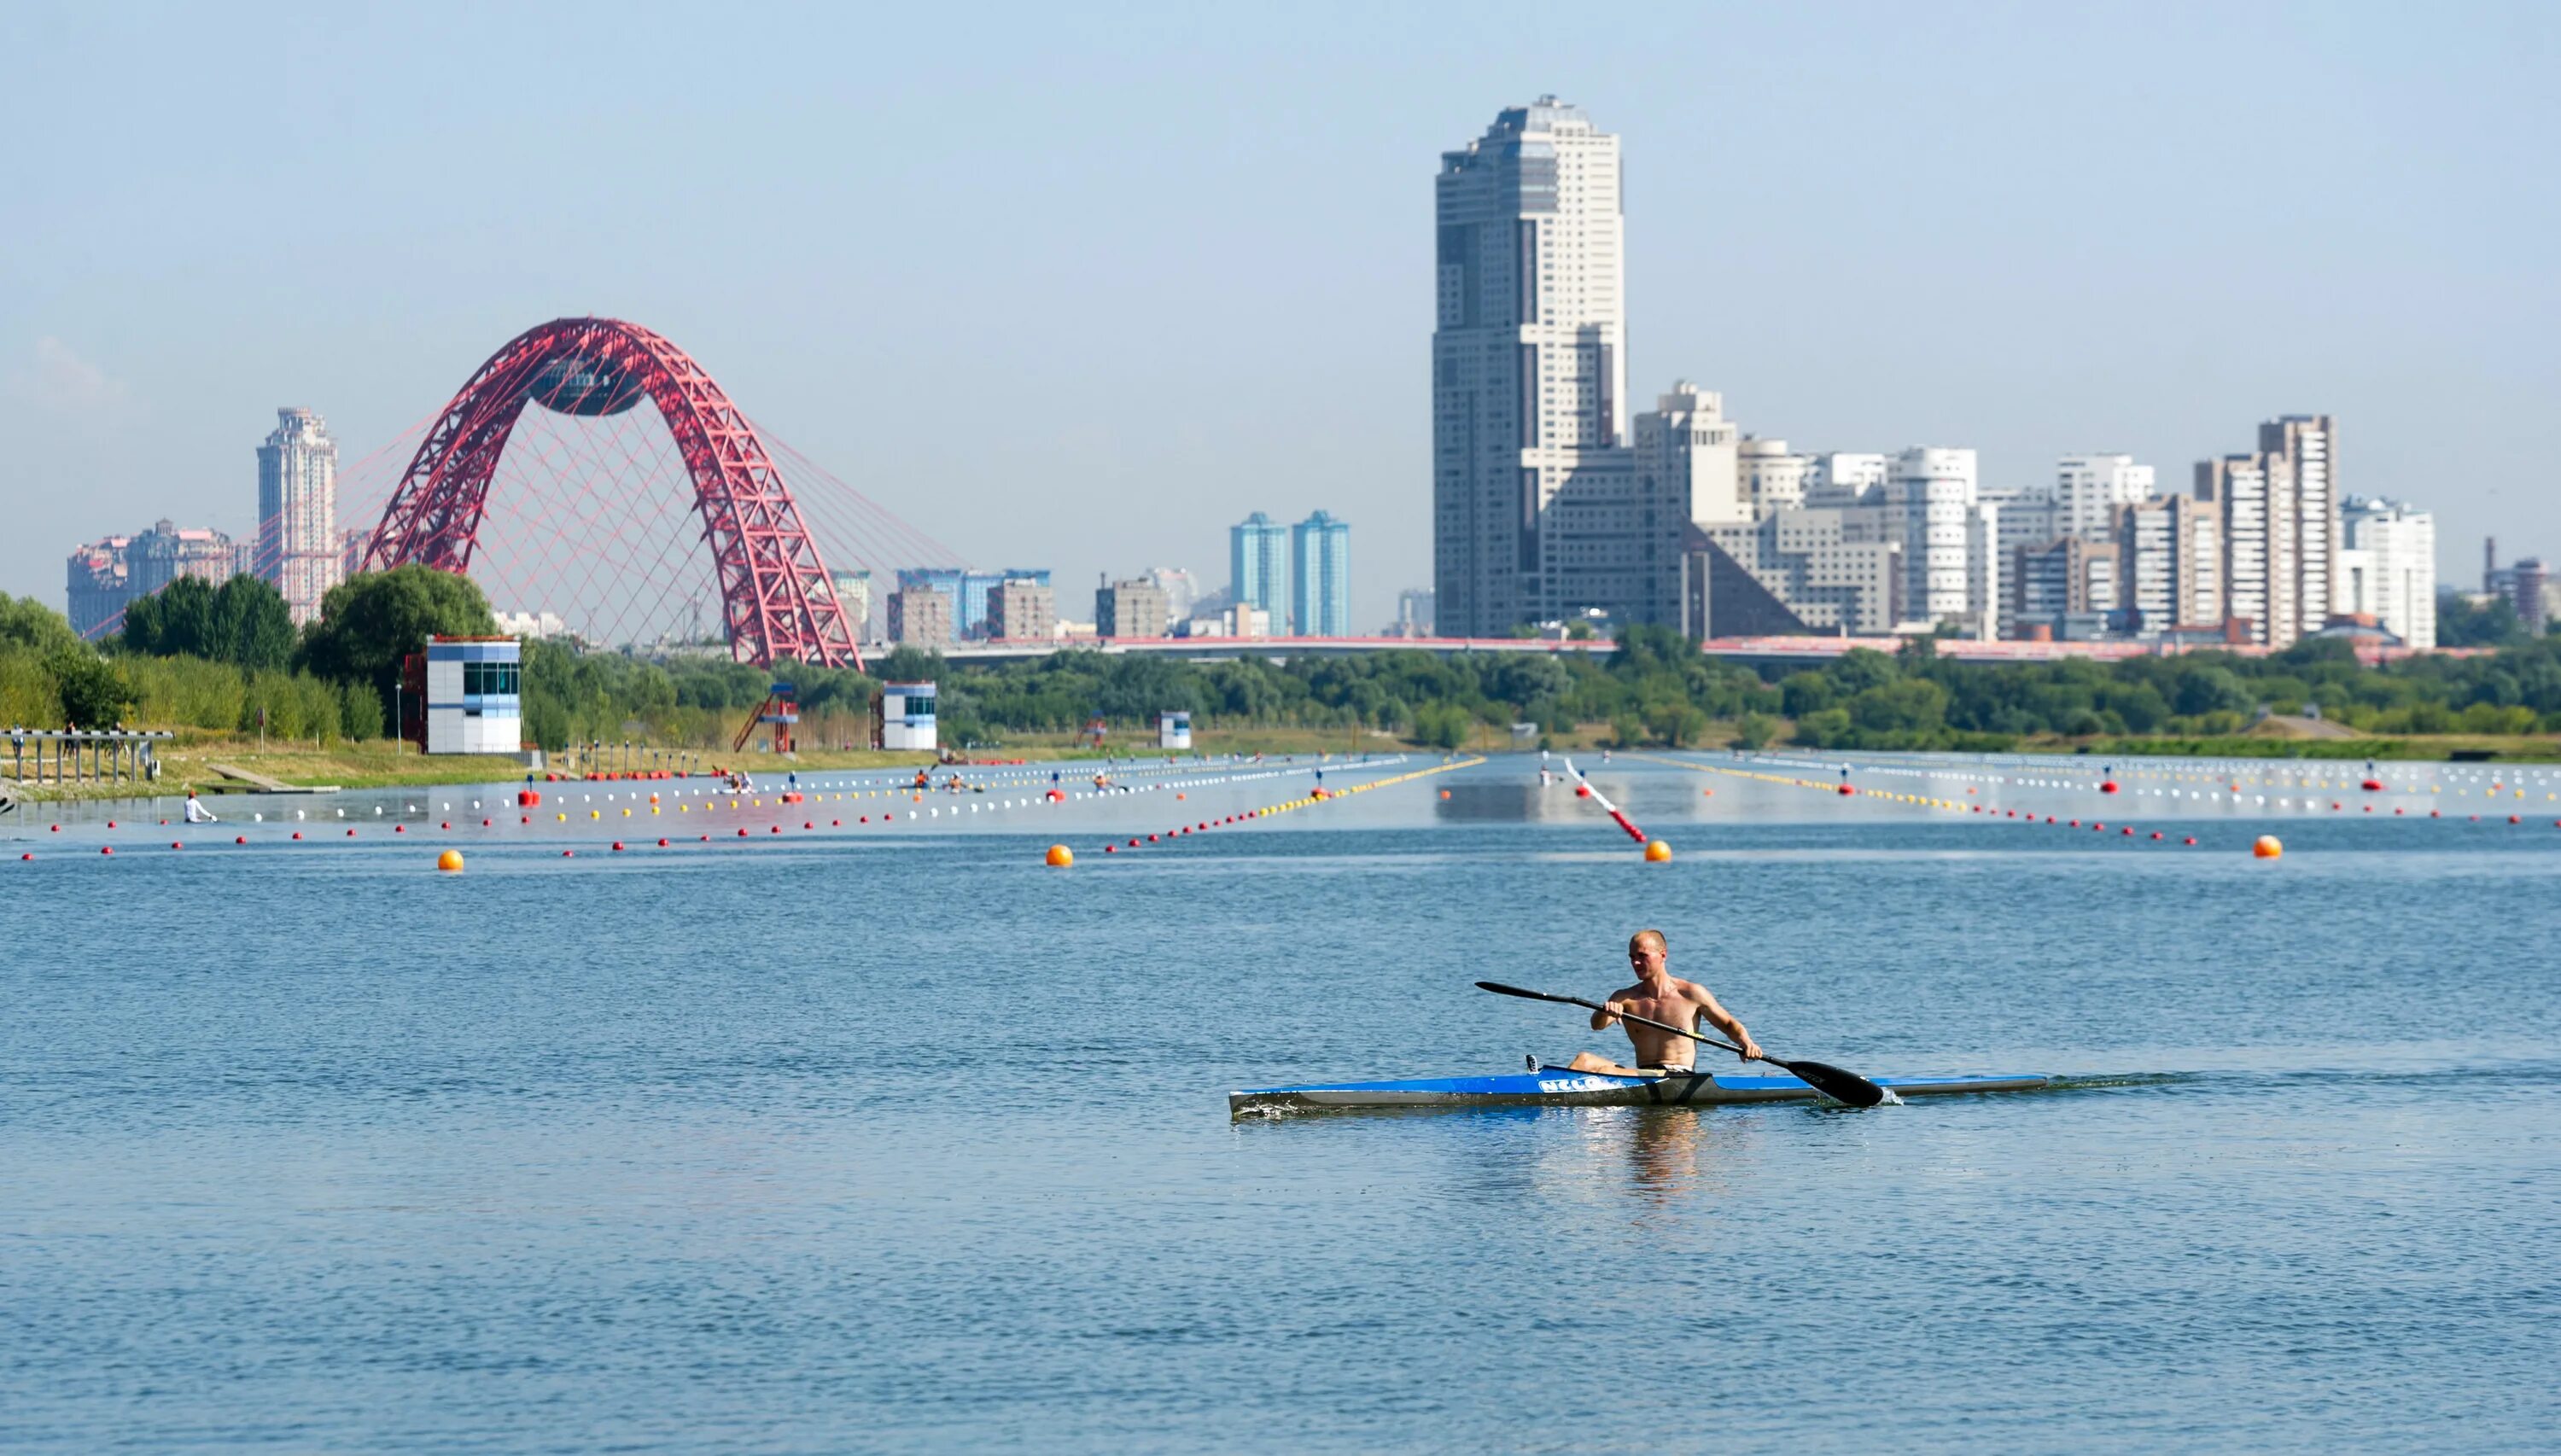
{"points": [[1660, 995]]}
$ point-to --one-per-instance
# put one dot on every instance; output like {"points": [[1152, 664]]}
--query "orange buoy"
{"points": [[1059, 856], [2108, 787], [1444, 793], [1846, 791], [1657, 853], [451, 862], [2267, 847]]}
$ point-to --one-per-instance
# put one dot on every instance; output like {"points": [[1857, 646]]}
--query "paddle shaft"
{"points": [[1646, 1021]]}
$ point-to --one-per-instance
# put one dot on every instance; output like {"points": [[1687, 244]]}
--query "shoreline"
{"points": [[352, 766]]}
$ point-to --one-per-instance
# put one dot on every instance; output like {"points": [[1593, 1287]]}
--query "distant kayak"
{"points": [[1565, 1087]]}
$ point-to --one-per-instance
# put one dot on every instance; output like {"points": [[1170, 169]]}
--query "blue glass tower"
{"points": [[1320, 591]]}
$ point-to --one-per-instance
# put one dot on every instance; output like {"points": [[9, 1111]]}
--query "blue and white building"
{"points": [[474, 695], [1258, 565], [907, 717], [1320, 590]]}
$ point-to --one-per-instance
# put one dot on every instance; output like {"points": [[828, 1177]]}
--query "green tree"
{"points": [[251, 625], [369, 622], [1916, 705], [2212, 688], [28, 622], [360, 711], [93, 694], [175, 621]]}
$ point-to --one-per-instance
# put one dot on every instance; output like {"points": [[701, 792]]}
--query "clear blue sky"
{"points": [[1082, 285]]}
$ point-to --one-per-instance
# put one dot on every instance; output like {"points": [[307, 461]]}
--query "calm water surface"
{"points": [[852, 1138]]}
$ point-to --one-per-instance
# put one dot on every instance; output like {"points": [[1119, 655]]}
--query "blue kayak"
{"points": [[1565, 1087]]}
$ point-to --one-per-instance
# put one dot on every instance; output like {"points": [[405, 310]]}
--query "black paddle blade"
{"points": [[1833, 1082]]}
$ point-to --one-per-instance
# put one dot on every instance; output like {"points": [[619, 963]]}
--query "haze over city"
{"points": [[1081, 291]]}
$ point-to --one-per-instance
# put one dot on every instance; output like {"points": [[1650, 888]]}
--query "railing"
{"points": [[85, 755]]}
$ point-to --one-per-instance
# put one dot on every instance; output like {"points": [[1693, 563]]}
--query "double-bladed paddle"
{"points": [[1831, 1081]]}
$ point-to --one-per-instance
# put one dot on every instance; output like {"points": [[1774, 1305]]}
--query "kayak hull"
{"points": [[1557, 1086]]}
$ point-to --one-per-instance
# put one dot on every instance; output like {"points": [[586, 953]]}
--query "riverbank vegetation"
{"points": [[219, 665]]}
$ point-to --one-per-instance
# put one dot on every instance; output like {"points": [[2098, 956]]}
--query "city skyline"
{"points": [[132, 387]]}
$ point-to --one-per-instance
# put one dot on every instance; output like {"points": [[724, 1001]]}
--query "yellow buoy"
{"points": [[451, 862], [1657, 851], [1059, 856], [2268, 846]]}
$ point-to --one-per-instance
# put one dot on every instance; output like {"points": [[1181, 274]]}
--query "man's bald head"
{"points": [[1644, 938]]}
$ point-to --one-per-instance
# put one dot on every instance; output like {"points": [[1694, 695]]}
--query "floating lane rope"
{"points": [[1308, 800]]}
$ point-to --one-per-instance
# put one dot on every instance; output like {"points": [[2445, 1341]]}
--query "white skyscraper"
{"points": [[1930, 496], [298, 549], [2305, 449], [2088, 489], [2387, 567], [1534, 503]]}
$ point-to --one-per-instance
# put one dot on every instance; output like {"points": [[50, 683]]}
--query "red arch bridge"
{"points": [[596, 511]]}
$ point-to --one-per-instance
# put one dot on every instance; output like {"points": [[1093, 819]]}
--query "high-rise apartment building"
{"points": [[2170, 554], [2252, 504], [1949, 538], [1131, 608], [2280, 509], [1321, 588], [106, 576], [298, 547], [2308, 447], [1529, 375], [2089, 489], [1258, 565], [2387, 569], [1414, 612]]}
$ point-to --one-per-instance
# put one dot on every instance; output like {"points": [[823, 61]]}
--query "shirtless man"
{"points": [[1664, 998]]}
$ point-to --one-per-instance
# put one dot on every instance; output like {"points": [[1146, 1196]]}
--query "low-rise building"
{"points": [[1130, 609], [1021, 610], [474, 695], [920, 616]]}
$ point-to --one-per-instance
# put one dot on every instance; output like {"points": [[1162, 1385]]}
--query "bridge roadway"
{"points": [[1783, 651]]}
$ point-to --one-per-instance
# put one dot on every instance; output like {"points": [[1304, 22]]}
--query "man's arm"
{"points": [[1724, 1021]]}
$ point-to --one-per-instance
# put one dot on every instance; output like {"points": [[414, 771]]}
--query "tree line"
{"points": [[228, 659]]}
